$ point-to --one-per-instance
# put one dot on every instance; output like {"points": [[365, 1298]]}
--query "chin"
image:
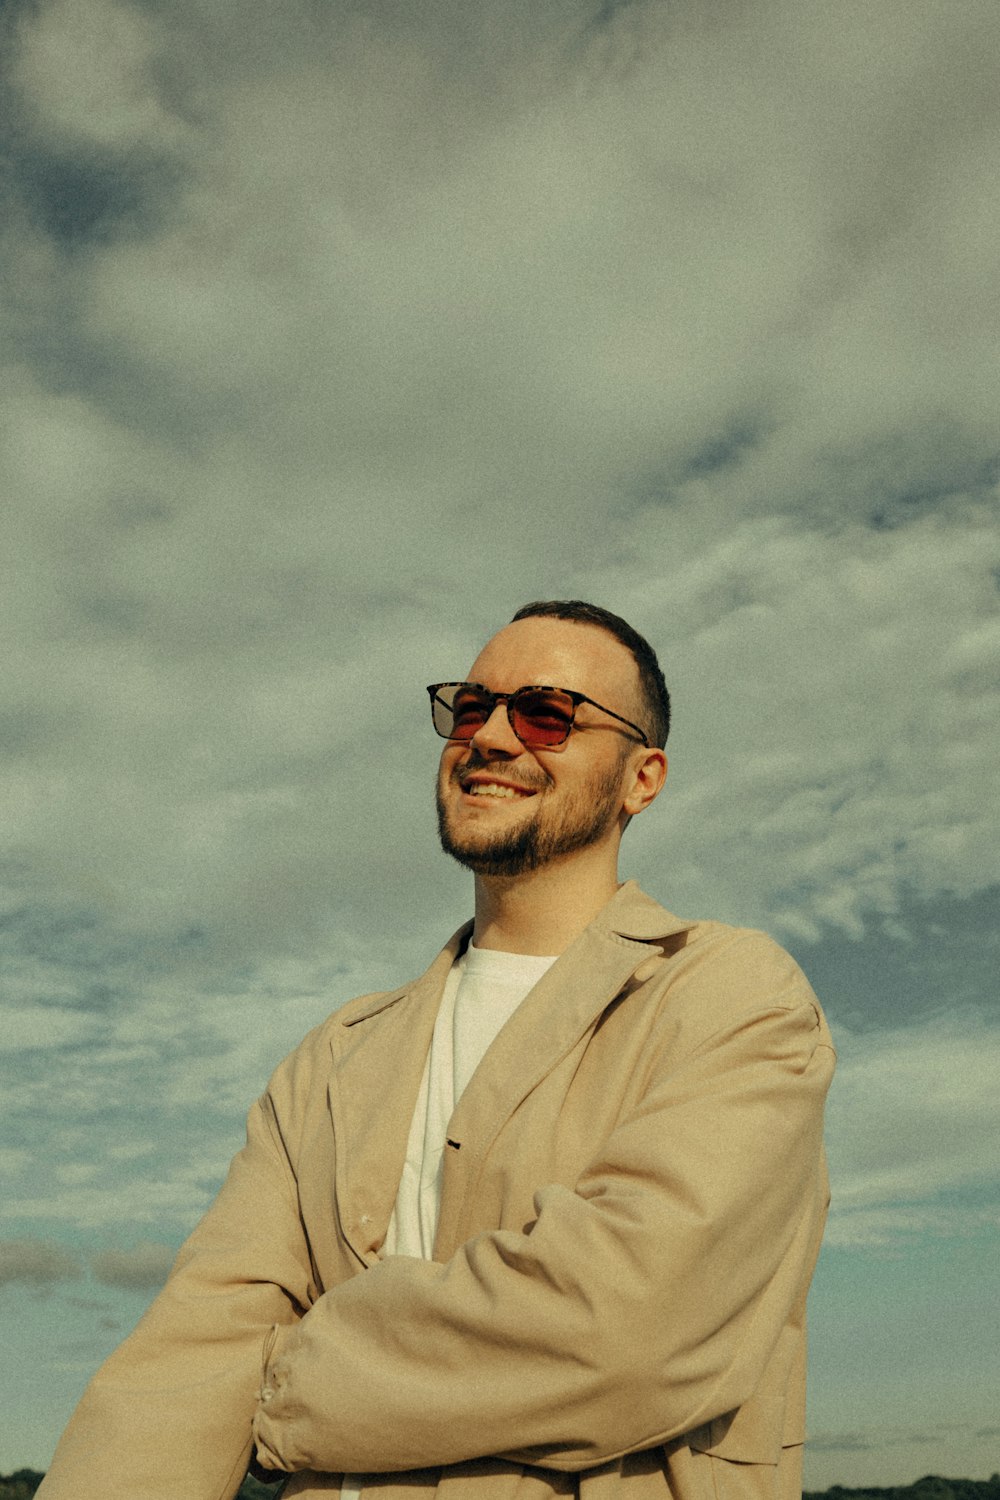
{"points": [[512, 853], [490, 863]]}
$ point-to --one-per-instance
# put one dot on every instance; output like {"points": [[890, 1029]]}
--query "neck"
{"points": [[544, 910]]}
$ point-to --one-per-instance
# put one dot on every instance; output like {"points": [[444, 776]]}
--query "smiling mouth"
{"points": [[496, 789]]}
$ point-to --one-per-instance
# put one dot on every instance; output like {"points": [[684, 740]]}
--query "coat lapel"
{"points": [[562, 1007], [380, 1049]]}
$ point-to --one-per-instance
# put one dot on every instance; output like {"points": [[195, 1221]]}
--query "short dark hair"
{"points": [[655, 698]]}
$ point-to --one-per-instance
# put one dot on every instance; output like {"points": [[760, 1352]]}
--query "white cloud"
{"points": [[36, 1262], [831, 752], [684, 316], [44, 1027], [387, 386], [141, 1201], [144, 1267], [914, 1119], [85, 68]]}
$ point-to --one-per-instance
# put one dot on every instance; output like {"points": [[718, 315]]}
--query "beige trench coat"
{"points": [[633, 1199]]}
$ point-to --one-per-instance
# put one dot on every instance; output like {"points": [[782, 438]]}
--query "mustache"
{"points": [[476, 765]]}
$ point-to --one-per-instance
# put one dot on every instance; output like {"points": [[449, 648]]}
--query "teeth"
{"points": [[491, 789]]}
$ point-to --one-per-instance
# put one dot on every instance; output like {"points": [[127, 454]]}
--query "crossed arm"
{"points": [[631, 1310], [638, 1305]]}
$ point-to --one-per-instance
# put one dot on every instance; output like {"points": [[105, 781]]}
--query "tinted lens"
{"points": [[460, 711], [542, 716]]}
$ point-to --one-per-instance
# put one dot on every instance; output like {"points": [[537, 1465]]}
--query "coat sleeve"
{"points": [[636, 1306], [169, 1413]]}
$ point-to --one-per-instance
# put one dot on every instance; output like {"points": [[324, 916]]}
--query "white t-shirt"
{"points": [[481, 993]]}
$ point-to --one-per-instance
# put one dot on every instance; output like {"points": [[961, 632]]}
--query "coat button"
{"points": [[647, 969]]}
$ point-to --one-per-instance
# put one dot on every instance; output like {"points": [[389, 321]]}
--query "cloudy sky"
{"points": [[332, 333]]}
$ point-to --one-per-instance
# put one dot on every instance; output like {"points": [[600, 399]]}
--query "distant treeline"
{"points": [[23, 1484], [931, 1487]]}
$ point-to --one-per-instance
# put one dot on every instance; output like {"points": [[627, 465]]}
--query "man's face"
{"points": [[504, 809]]}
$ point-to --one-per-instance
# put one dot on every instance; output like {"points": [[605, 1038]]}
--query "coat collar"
{"points": [[629, 914], [430, 984], [632, 914]]}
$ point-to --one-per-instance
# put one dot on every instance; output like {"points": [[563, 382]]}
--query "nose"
{"points": [[496, 736]]}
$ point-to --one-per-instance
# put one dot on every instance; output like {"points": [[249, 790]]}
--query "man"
{"points": [[579, 1163]]}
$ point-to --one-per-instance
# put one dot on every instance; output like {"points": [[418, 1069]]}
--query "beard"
{"points": [[547, 834]]}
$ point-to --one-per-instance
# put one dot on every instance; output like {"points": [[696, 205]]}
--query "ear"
{"points": [[648, 775]]}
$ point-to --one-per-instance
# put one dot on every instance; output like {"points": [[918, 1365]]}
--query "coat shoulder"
{"points": [[746, 961], [714, 976], [307, 1067]]}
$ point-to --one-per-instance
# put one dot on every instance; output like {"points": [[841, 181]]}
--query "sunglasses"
{"points": [[540, 716]]}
